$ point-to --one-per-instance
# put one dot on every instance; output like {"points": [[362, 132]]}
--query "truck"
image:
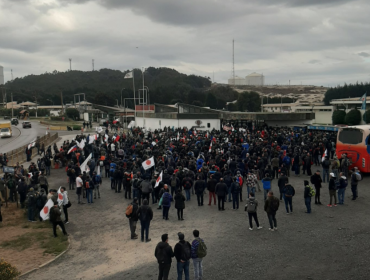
{"points": [[5, 129]]}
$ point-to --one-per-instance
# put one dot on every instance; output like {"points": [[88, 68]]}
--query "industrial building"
{"points": [[1, 75], [254, 79]]}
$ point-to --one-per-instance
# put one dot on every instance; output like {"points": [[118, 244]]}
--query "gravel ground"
{"points": [[330, 243]]}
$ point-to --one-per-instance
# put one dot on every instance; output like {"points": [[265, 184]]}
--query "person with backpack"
{"points": [[180, 204], [89, 185], [96, 179], [266, 185], [55, 219], [235, 191], [131, 214], [287, 162], [288, 193], [355, 178], [182, 253], [79, 187], [164, 254], [175, 184], [343, 183], [316, 181], [198, 252], [332, 190], [199, 187], [251, 208], [187, 183], [325, 168], [271, 207], [307, 196], [166, 202], [43, 182], [145, 215]]}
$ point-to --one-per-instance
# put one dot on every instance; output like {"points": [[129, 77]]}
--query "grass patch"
{"points": [[45, 239]]}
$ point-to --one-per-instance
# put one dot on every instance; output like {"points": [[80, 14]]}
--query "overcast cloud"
{"points": [[320, 42]]}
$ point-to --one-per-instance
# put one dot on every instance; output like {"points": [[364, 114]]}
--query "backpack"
{"points": [[202, 249], [251, 206], [290, 191], [165, 199], [173, 181], [186, 253], [312, 192], [336, 184], [129, 211], [87, 185], [287, 161], [10, 184], [358, 176], [161, 255], [98, 179], [344, 183], [274, 206], [312, 181], [42, 181]]}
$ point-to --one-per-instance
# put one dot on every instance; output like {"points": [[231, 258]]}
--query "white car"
{"points": [[5, 132]]}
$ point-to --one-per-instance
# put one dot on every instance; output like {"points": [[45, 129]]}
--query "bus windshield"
{"points": [[350, 136]]}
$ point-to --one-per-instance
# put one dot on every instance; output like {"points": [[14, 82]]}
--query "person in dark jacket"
{"points": [[166, 202], [316, 180], [235, 191], [288, 193], [332, 190], [271, 213], [145, 215], [199, 187], [182, 254], [221, 191], [211, 187], [164, 254], [307, 197], [180, 205], [56, 219], [134, 218], [22, 190], [281, 184]]}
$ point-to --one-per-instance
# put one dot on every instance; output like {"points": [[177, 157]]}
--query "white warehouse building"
{"points": [[253, 79], [1, 75]]}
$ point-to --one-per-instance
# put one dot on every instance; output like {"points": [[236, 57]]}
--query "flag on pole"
{"points": [[81, 145], [74, 148], [129, 75], [159, 179], [148, 163], [324, 155], [44, 213], [115, 121], [363, 99], [84, 166], [99, 129], [210, 148]]}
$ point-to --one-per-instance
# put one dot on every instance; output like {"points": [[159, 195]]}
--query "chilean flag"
{"points": [[159, 179], [115, 139], [73, 149], [148, 163], [210, 148], [115, 121]]}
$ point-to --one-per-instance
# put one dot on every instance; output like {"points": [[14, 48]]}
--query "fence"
{"points": [[19, 155]]}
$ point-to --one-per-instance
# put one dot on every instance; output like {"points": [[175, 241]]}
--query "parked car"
{"points": [[26, 124], [7, 118]]}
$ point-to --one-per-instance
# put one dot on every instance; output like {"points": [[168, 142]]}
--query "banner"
{"points": [[44, 213], [84, 166]]}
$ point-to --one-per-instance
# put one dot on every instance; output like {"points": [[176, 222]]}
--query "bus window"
{"points": [[350, 136]]}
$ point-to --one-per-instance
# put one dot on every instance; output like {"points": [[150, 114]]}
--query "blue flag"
{"points": [[363, 99]]}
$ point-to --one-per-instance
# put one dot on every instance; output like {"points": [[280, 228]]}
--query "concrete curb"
{"points": [[48, 262]]}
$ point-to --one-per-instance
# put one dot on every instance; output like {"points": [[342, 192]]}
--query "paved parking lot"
{"points": [[330, 243]]}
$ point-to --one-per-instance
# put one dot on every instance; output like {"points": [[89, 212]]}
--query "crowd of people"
{"points": [[169, 166]]}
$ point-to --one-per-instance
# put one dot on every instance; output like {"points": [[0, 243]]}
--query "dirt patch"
{"points": [[27, 245]]}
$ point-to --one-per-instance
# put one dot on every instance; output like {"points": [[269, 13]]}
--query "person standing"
{"points": [[343, 183], [211, 187], [288, 193], [166, 202], [271, 207], [307, 197], [89, 185], [251, 208], [164, 254], [266, 185], [199, 187], [275, 166], [145, 215], [355, 178], [316, 180], [56, 219], [332, 190], [281, 184], [198, 252], [66, 204], [221, 191], [180, 205], [235, 191], [133, 218], [97, 182], [182, 254], [325, 169], [79, 184]]}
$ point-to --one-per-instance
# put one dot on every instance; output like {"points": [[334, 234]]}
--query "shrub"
{"points": [[353, 117], [338, 117], [73, 113], [367, 116], [76, 127], [7, 271]]}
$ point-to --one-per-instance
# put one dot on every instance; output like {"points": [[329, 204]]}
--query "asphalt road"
{"points": [[330, 243]]}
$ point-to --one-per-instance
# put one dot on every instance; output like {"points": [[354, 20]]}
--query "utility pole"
{"points": [[11, 95], [233, 66], [93, 64], [11, 72], [70, 64]]}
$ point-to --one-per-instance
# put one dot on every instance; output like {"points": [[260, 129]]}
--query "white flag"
{"points": [[154, 143], [100, 129], [60, 197], [106, 138], [324, 155], [148, 163], [159, 179], [129, 75], [44, 213], [210, 148], [84, 166]]}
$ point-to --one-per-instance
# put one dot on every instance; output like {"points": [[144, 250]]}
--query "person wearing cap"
{"points": [[332, 190], [183, 255], [164, 254]]}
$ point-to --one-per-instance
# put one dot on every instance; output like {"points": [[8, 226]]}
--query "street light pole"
{"points": [[121, 96], [11, 95], [36, 104]]}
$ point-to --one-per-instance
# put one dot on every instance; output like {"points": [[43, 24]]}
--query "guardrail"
{"points": [[19, 154]]}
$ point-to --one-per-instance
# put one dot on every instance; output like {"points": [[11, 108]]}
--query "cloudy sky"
{"points": [[321, 42]]}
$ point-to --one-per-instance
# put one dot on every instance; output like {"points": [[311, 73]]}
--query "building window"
{"points": [[208, 125]]}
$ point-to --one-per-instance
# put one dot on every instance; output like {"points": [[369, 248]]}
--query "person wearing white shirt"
{"points": [[79, 184]]}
